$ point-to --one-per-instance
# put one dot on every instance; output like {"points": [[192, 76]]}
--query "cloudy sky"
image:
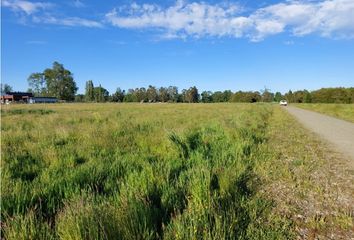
{"points": [[215, 45]]}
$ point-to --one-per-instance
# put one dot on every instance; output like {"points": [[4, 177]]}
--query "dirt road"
{"points": [[338, 132]]}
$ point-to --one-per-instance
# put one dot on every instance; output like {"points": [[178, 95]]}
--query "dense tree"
{"points": [[163, 94], [192, 95], [249, 97], [5, 88], [301, 96], [130, 96], [152, 94], [227, 94], [173, 94], [101, 94], [307, 97], [60, 82], [289, 96], [37, 83], [333, 95], [217, 96], [80, 98], [206, 97], [141, 94], [351, 94], [267, 95], [278, 97], [118, 96], [183, 96], [89, 91]]}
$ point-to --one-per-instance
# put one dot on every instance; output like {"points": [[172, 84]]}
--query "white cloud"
{"points": [[196, 19], [25, 6], [67, 21], [328, 18], [38, 12]]}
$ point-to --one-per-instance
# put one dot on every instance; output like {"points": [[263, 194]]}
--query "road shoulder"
{"points": [[310, 183]]}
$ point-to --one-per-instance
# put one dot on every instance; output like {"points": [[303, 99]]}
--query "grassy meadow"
{"points": [[342, 111], [158, 171]]}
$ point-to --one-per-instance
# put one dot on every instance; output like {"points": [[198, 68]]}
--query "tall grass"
{"points": [[130, 171], [342, 111]]}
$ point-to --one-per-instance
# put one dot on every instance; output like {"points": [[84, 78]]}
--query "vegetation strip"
{"points": [[160, 177], [196, 171], [342, 111]]}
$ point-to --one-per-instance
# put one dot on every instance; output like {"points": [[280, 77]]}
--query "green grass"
{"points": [[150, 171], [306, 178], [342, 111], [131, 171]]}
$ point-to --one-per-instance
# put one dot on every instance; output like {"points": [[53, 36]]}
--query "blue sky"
{"points": [[214, 45]]}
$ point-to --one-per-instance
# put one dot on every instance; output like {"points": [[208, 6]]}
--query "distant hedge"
{"points": [[191, 95], [323, 95]]}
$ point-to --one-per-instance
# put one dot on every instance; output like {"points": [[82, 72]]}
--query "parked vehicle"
{"points": [[283, 103]]}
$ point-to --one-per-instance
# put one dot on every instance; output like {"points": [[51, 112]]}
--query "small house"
{"points": [[10, 97]]}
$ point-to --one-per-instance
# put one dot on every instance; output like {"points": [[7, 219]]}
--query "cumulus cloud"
{"points": [[328, 18]]}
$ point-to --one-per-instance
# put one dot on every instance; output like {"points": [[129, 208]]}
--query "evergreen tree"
{"points": [[89, 91]]}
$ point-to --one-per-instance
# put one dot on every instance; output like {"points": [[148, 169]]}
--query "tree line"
{"points": [[59, 82], [191, 95]]}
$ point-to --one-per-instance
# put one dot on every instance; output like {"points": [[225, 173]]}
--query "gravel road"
{"points": [[338, 132]]}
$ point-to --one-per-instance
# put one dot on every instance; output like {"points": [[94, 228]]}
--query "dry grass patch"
{"points": [[310, 183]]}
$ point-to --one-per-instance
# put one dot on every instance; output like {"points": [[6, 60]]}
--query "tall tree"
{"points": [[101, 94], [79, 98], [308, 97], [60, 82], [37, 83], [89, 91], [267, 95], [173, 93], [217, 96], [163, 94], [278, 97], [140, 94], [5, 88], [118, 96], [131, 96], [250, 97], [151, 94], [227, 94], [289, 96], [207, 96], [192, 95]]}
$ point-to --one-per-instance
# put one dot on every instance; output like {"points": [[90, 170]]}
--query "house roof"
{"points": [[19, 94], [44, 98]]}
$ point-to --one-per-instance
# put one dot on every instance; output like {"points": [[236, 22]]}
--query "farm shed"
{"points": [[16, 97], [43, 100]]}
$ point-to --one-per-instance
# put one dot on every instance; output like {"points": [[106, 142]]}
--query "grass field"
{"points": [[342, 111], [162, 171]]}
